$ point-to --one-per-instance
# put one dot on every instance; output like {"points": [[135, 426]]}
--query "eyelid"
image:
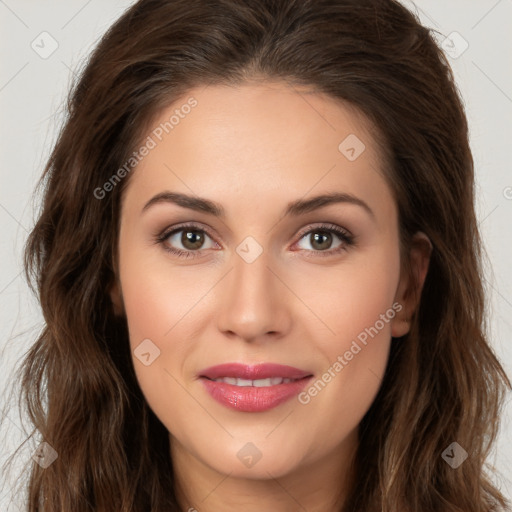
{"points": [[323, 225], [161, 236]]}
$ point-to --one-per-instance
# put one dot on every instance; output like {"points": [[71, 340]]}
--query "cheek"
{"points": [[159, 306], [350, 297], [158, 298], [356, 308]]}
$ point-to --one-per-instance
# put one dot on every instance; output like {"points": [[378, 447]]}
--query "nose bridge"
{"points": [[254, 301]]}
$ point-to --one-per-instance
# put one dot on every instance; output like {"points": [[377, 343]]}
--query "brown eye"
{"points": [[321, 240], [186, 240]]}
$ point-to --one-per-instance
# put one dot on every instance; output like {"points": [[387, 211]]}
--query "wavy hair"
{"points": [[443, 382]]}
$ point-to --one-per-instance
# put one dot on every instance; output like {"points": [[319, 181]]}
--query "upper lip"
{"points": [[253, 372]]}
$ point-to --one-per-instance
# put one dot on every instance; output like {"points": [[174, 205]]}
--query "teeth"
{"points": [[262, 383], [258, 383]]}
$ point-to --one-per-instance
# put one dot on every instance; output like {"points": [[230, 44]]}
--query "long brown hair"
{"points": [[443, 383]]}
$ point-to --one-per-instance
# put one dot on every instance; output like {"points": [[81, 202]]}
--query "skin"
{"points": [[253, 149]]}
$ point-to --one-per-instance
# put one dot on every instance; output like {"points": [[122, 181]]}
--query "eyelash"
{"points": [[346, 238]]}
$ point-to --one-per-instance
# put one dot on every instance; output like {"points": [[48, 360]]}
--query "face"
{"points": [[225, 258]]}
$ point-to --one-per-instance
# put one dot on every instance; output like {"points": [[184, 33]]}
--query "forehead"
{"points": [[265, 140]]}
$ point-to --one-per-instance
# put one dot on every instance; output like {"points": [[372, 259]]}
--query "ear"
{"points": [[116, 297], [412, 278]]}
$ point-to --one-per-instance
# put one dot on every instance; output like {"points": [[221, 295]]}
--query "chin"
{"points": [[255, 460]]}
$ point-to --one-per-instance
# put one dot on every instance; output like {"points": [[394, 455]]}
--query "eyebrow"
{"points": [[294, 208]]}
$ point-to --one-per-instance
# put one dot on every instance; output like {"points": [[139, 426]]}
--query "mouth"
{"points": [[258, 388], [258, 383], [259, 372]]}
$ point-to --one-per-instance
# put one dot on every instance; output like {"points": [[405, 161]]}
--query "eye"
{"points": [[321, 239], [190, 237]]}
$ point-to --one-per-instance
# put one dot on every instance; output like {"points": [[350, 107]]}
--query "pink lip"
{"points": [[259, 371], [251, 398]]}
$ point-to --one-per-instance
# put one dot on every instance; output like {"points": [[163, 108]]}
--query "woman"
{"points": [[314, 338]]}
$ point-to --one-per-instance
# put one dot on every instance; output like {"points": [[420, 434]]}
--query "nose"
{"points": [[255, 304]]}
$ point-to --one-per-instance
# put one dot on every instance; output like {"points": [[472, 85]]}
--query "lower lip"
{"points": [[251, 398]]}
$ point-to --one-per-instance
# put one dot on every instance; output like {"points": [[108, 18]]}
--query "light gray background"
{"points": [[32, 93]]}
